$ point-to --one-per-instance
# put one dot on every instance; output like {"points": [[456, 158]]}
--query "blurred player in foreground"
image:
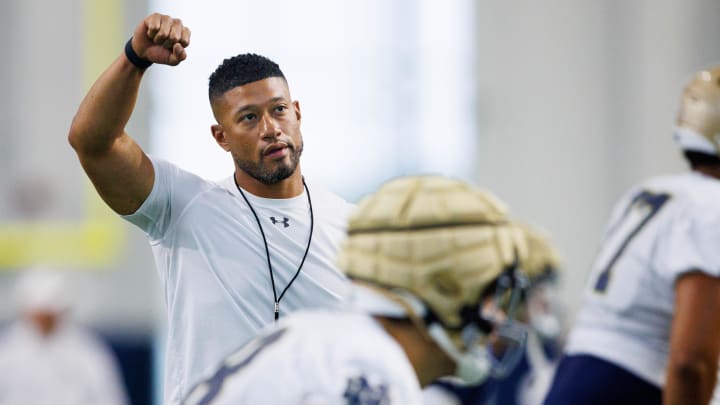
{"points": [[649, 329], [433, 262], [528, 382]]}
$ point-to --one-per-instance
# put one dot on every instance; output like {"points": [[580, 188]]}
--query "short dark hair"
{"points": [[697, 159], [240, 70]]}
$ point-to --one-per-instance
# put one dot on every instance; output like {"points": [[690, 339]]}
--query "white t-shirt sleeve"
{"points": [[173, 189], [692, 243]]}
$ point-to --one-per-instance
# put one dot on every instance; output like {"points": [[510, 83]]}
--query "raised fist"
{"points": [[161, 39]]}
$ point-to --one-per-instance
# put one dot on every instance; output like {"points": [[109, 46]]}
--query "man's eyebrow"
{"points": [[243, 108], [273, 100]]}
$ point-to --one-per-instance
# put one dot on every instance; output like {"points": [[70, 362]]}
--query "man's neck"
{"points": [[427, 359], [287, 188], [712, 171]]}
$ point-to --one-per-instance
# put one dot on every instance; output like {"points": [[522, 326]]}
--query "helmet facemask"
{"points": [[541, 307], [506, 341], [490, 341]]}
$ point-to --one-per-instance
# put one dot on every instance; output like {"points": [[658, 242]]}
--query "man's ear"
{"points": [[219, 134], [298, 114]]}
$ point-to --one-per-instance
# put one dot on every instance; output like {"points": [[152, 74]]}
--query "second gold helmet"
{"points": [[698, 120]]}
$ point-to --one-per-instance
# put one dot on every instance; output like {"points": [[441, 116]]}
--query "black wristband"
{"points": [[134, 58]]}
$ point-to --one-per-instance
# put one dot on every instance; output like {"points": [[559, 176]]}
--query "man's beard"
{"points": [[260, 172]]}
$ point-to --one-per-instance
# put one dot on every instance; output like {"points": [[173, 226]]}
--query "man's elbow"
{"points": [[88, 141], [75, 135], [693, 368]]}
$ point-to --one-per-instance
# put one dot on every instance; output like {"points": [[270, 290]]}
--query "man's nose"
{"points": [[269, 127]]}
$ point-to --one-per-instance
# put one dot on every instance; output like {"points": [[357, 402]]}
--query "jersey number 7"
{"points": [[639, 212]]}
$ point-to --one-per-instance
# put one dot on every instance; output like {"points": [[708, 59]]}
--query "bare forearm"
{"points": [[689, 385], [106, 109], [119, 169], [694, 340]]}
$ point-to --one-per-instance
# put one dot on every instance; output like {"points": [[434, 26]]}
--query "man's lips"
{"points": [[276, 150]]}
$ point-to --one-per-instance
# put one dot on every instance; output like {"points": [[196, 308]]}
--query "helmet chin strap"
{"points": [[472, 367]]}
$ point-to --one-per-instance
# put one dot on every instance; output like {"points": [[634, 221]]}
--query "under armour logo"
{"points": [[285, 221]]}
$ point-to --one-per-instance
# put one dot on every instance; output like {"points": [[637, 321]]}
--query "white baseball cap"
{"points": [[41, 288]]}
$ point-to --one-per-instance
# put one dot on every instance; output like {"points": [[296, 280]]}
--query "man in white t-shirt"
{"points": [[433, 262], [649, 329], [233, 255]]}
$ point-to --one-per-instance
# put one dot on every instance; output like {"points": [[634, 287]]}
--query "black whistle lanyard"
{"points": [[276, 298]]}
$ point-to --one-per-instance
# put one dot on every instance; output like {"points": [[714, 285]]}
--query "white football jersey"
{"points": [[315, 358], [213, 268], [661, 229]]}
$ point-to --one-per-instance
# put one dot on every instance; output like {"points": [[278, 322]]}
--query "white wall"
{"points": [[383, 86], [577, 101]]}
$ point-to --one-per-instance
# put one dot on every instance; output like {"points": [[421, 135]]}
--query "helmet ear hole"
{"points": [[446, 284]]}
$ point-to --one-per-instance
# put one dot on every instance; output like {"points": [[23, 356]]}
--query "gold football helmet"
{"points": [[445, 249], [698, 121]]}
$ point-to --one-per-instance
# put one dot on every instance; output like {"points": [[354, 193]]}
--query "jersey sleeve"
{"points": [[302, 367], [311, 382], [692, 243], [172, 191]]}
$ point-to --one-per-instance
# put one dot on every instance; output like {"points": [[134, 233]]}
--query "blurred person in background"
{"points": [[527, 382], [46, 358], [433, 263], [649, 328], [232, 256]]}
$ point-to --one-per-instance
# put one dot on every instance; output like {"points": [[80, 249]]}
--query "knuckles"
{"points": [[168, 32]]}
